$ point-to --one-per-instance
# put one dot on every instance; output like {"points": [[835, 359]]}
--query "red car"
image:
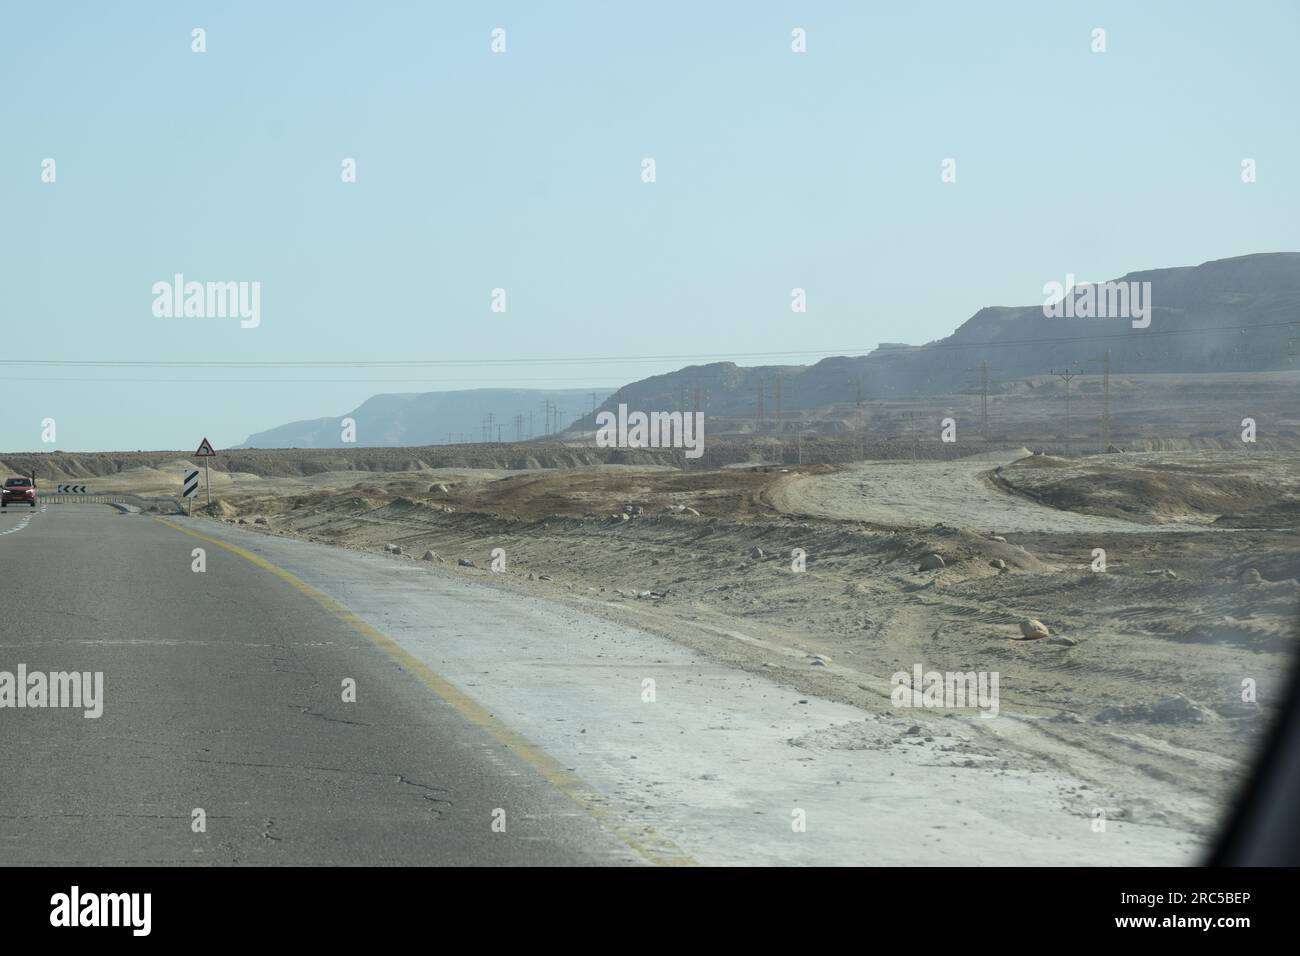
{"points": [[18, 490]]}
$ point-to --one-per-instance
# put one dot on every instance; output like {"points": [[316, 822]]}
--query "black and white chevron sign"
{"points": [[191, 484], [71, 490]]}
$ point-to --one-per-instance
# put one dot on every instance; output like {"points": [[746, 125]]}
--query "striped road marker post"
{"points": [[190, 487]]}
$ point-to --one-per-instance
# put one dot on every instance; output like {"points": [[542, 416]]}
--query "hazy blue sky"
{"points": [[522, 170]]}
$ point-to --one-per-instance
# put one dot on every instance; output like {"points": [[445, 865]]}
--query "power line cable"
{"points": [[938, 346]]}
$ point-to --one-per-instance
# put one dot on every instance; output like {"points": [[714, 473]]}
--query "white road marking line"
{"points": [[23, 522]]}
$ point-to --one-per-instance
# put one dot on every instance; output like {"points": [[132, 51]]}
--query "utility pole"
{"points": [[530, 424], [984, 399], [983, 369], [1105, 403], [860, 429], [911, 417], [1067, 376], [760, 401], [694, 416], [777, 403]]}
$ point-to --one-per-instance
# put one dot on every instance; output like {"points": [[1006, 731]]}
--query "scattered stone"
{"points": [[430, 556], [439, 488], [1251, 576], [543, 577], [819, 660], [1033, 629], [998, 538], [392, 549], [643, 594], [998, 563], [1062, 640], [931, 562], [466, 563], [756, 553], [261, 519], [690, 511]]}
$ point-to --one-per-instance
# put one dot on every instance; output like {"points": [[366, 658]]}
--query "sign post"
{"points": [[205, 452]]}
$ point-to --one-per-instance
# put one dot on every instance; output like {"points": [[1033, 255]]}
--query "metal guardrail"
{"points": [[103, 499], [161, 504], [158, 504]]}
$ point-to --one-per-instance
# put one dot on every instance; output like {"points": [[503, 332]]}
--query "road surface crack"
{"points": [[438, 802]]}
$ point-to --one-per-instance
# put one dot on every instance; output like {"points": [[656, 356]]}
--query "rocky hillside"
{"points": [[1229, 315]]}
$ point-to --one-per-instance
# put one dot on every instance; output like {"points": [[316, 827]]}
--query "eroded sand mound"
{"points": [[1227, 489]]}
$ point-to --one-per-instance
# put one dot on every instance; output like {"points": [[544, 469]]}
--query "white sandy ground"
{"points": [[720, 760], [924, 493]]}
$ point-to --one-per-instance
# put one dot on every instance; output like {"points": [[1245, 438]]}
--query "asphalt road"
{"points": [[223, 692]]}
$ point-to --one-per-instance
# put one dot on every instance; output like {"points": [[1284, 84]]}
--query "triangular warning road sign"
{"points": [[205, 450]]}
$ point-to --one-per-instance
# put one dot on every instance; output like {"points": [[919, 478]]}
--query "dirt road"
{"points": [[915, 494]]}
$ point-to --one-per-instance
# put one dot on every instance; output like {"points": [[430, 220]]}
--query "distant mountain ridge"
{"points": [[430, 418], [1227, 315], [1237, 315]]}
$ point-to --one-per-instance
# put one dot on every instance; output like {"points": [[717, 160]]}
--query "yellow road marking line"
{"points": [[657, 849]]}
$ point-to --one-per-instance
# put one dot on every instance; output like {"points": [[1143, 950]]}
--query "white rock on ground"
{"points": [[1033, 629]]}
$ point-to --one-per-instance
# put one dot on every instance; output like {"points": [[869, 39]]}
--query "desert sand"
{"points": [[1155, 686]]}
